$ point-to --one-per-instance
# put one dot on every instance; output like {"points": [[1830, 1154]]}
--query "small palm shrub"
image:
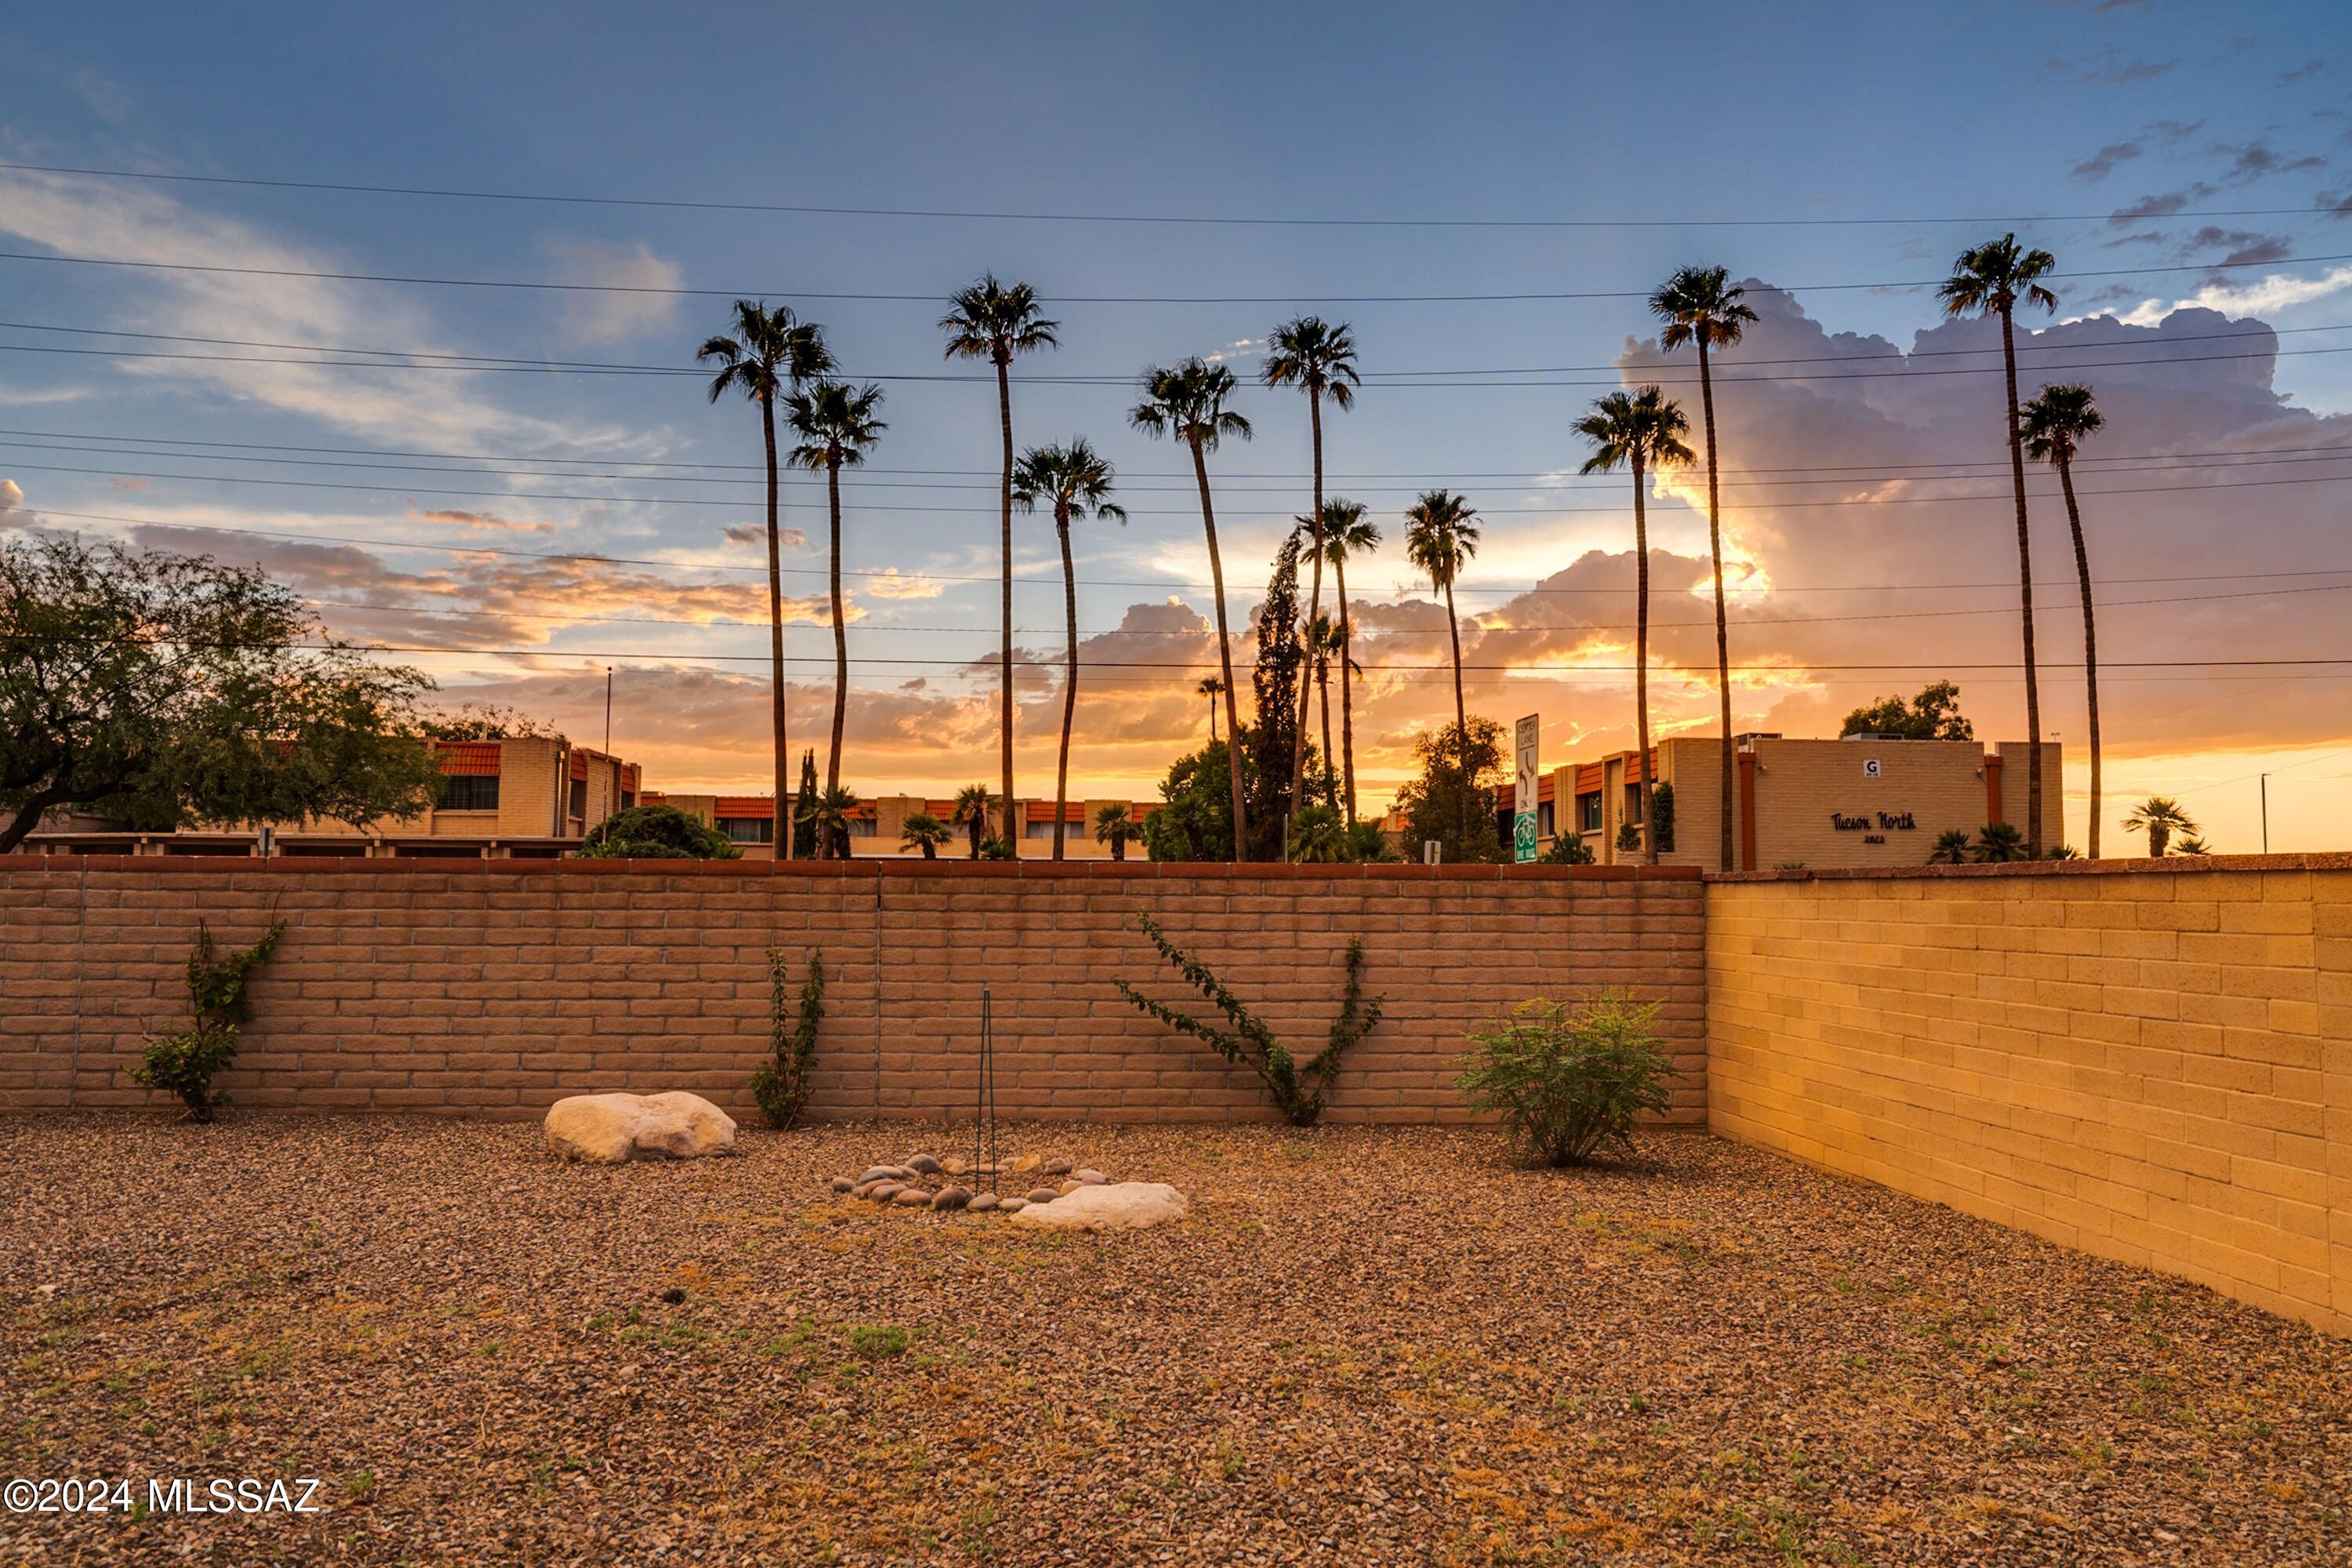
{"points": [[1569, 1079]]}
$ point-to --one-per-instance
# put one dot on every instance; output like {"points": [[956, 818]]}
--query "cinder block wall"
{"points": [[491, 989], [2151, 1061]]}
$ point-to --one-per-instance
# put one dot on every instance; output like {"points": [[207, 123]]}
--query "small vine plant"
{"points": [[1298, 1092], [183, 1064], [782, 1084]]}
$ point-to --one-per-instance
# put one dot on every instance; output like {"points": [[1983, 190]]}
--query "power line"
{"points": [[805, 209], [593, 558], [1060, 300]]}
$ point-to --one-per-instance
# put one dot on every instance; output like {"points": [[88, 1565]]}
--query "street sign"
{"points": [[1523, 816]]}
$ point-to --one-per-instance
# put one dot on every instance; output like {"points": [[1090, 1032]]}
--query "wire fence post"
{"points": [[984, 1120]]}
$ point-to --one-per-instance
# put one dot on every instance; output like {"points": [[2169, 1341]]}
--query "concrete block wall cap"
{"points": [[2170, 866]]}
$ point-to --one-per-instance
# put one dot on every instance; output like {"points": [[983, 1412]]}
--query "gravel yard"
{"points": [[1363, 1347]]}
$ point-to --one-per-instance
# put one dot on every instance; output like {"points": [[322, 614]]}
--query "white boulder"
{"points": [[607, 1128], [1116, 1205]]}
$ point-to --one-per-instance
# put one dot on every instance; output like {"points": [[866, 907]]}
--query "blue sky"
{"points": [[2059, 121]]}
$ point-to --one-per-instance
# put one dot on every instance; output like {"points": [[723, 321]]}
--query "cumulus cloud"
{"points": [[614, 313], [757, 533], [892, 584], [484, 520], [2257, 297]]}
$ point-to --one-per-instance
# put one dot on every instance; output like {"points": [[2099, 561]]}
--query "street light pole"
{"points": [[2266, 813], [608, 710]]}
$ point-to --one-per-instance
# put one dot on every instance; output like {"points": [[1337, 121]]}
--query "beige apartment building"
{"points": [[749, 821], [533, 797], [1858, 801]]}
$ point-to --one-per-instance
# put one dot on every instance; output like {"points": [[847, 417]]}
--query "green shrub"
{"points": [[782, 1084], [1661, 816], [655, 833], [1569, 1079], [1567, 850], [998, 849], [1296, 1091], [878, 1341], [183, 1064]]}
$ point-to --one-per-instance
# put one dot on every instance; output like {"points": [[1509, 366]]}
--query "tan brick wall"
{"points": [[2152, 1064], [493, 988]]}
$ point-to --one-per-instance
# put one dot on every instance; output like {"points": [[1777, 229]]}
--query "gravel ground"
{"points": [[1364, 1347]]}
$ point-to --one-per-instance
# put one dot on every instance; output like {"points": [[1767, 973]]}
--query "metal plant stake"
{"points": [[984, 1120]]}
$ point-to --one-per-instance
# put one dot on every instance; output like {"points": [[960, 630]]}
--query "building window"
{"points": [[628, 800], [1588, 813], [469, 792], [1543, 819], [1046, 831], [580, 798], [861, 828], [749, 829]]}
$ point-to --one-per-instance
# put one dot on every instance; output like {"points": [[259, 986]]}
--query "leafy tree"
{"points": [[1661, 821], [923, 831], [837, 428], [1453, 800], [183, 1064], [2162, 818], [1320, 359], [1992, 280], [1345, 533], [655, 833], [781, 1085], [1439, 541], [1642, 431], [1196, 819], [805, 836], [1933, 715], [164, 690], [1187, 403], [481, 721], [1568, 1080], [1701, 306], [1952, 848], [1296, 1091], [1116, 825], [973, 805], [768, 352], [1998, 842], [994, 321], [1076, 482], [1281, 654], [2054, 426]]}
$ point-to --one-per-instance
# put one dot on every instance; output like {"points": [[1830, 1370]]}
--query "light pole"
{"points": [[2265, 779], [608, 710]]}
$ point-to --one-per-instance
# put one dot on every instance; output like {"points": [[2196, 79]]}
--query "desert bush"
{"points": [[183, 1064], [655, 833], [1569, 1079]]}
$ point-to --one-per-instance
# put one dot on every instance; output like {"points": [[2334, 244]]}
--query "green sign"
{"points": [[1523, 837]]}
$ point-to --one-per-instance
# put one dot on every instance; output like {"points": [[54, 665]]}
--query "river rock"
{"points": [[982, 1203], [843, 1185], [1043, 1195], [1091, 1178], [883, 1191], [923, 1166], [608, 1129], [878, 1174], [1025, 1163], [955, 1165], [1060, 1165], [911, 1198], [1013, 1205], [1116, 1205], [951, 1197]]}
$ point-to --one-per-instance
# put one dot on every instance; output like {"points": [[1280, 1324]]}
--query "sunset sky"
{"points": [[1486, 193]]}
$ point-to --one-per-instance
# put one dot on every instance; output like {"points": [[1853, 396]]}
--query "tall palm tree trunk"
{"points": [[1069, 679], [1004, 499], [781, 824], [1323, 697], [1642, 660], [1461, 715], [2025, 602], [1346, 693], [1314, 608], [840, 636], [1722, 633], [1224, 658], [2090, 637]]}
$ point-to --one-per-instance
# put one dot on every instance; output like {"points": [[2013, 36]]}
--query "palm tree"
{"points": [[2160, 818], [1211, 688], [1699, 306], [1346, 532], [2192, 845], [1998, 842], [1323, 641], [993, 322], [832, 815], [1320, 359], [2053, 427], [1076, 483], [973, 805], [923, 831], [1952, 848], [1644, 431], [1439, 541], [768, 351], [1116, 825], [1186, 401], [1994, 279], [837, 428]]}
